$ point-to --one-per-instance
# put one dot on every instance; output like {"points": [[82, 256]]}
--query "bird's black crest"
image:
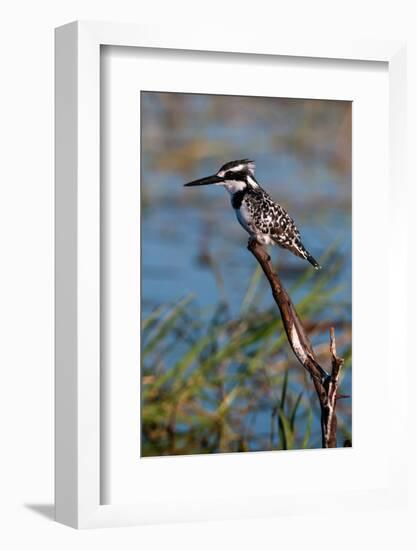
{"points": [[234, 163]]}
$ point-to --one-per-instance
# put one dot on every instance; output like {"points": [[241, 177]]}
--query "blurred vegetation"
{"points": [[218, 374], [229, 370]]}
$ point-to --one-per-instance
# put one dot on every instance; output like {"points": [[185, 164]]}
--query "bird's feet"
{"points": [[252, 242]]}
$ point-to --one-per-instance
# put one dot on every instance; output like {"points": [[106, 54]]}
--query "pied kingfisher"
{"points": [[264, 220]]}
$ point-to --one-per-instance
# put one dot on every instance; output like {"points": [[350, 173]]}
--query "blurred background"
{"points": [[218, 374]]}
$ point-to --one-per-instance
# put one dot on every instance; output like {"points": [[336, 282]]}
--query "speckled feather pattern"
{"points": [[267, 221]]}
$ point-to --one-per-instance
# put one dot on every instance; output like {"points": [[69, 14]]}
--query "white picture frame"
{"points": [[78, 426]]}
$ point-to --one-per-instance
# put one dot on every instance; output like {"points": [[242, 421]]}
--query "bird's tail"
{"points": [[313, 262], [300, 250]]}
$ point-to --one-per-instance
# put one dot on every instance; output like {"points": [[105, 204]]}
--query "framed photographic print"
{"points": [[226, 312]]}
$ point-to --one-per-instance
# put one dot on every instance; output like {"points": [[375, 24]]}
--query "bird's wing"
{"points": [[283, 229]]}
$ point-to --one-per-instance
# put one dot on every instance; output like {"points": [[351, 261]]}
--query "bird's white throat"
{"points": [[233, 186]]}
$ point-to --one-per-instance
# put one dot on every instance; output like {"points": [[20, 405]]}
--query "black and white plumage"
{"points": [[264, 220]]}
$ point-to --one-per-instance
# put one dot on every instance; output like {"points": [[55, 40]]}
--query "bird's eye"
{"points": [[229, 174]]}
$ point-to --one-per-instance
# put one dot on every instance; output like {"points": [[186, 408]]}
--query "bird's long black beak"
{"points": [[205, 181]]}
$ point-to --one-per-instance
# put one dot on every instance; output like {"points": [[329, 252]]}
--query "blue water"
{"points": [[173, 233]]}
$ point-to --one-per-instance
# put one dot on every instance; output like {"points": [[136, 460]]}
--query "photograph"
{"points": [[246, 273]]}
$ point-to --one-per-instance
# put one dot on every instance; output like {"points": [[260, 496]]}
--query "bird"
{"points": [[265, 220]]}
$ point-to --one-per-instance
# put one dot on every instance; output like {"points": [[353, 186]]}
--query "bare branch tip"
{"points": [[332, 341]]}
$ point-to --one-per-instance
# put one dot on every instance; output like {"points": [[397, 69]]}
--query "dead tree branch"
{"points": [[325, 384]]}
